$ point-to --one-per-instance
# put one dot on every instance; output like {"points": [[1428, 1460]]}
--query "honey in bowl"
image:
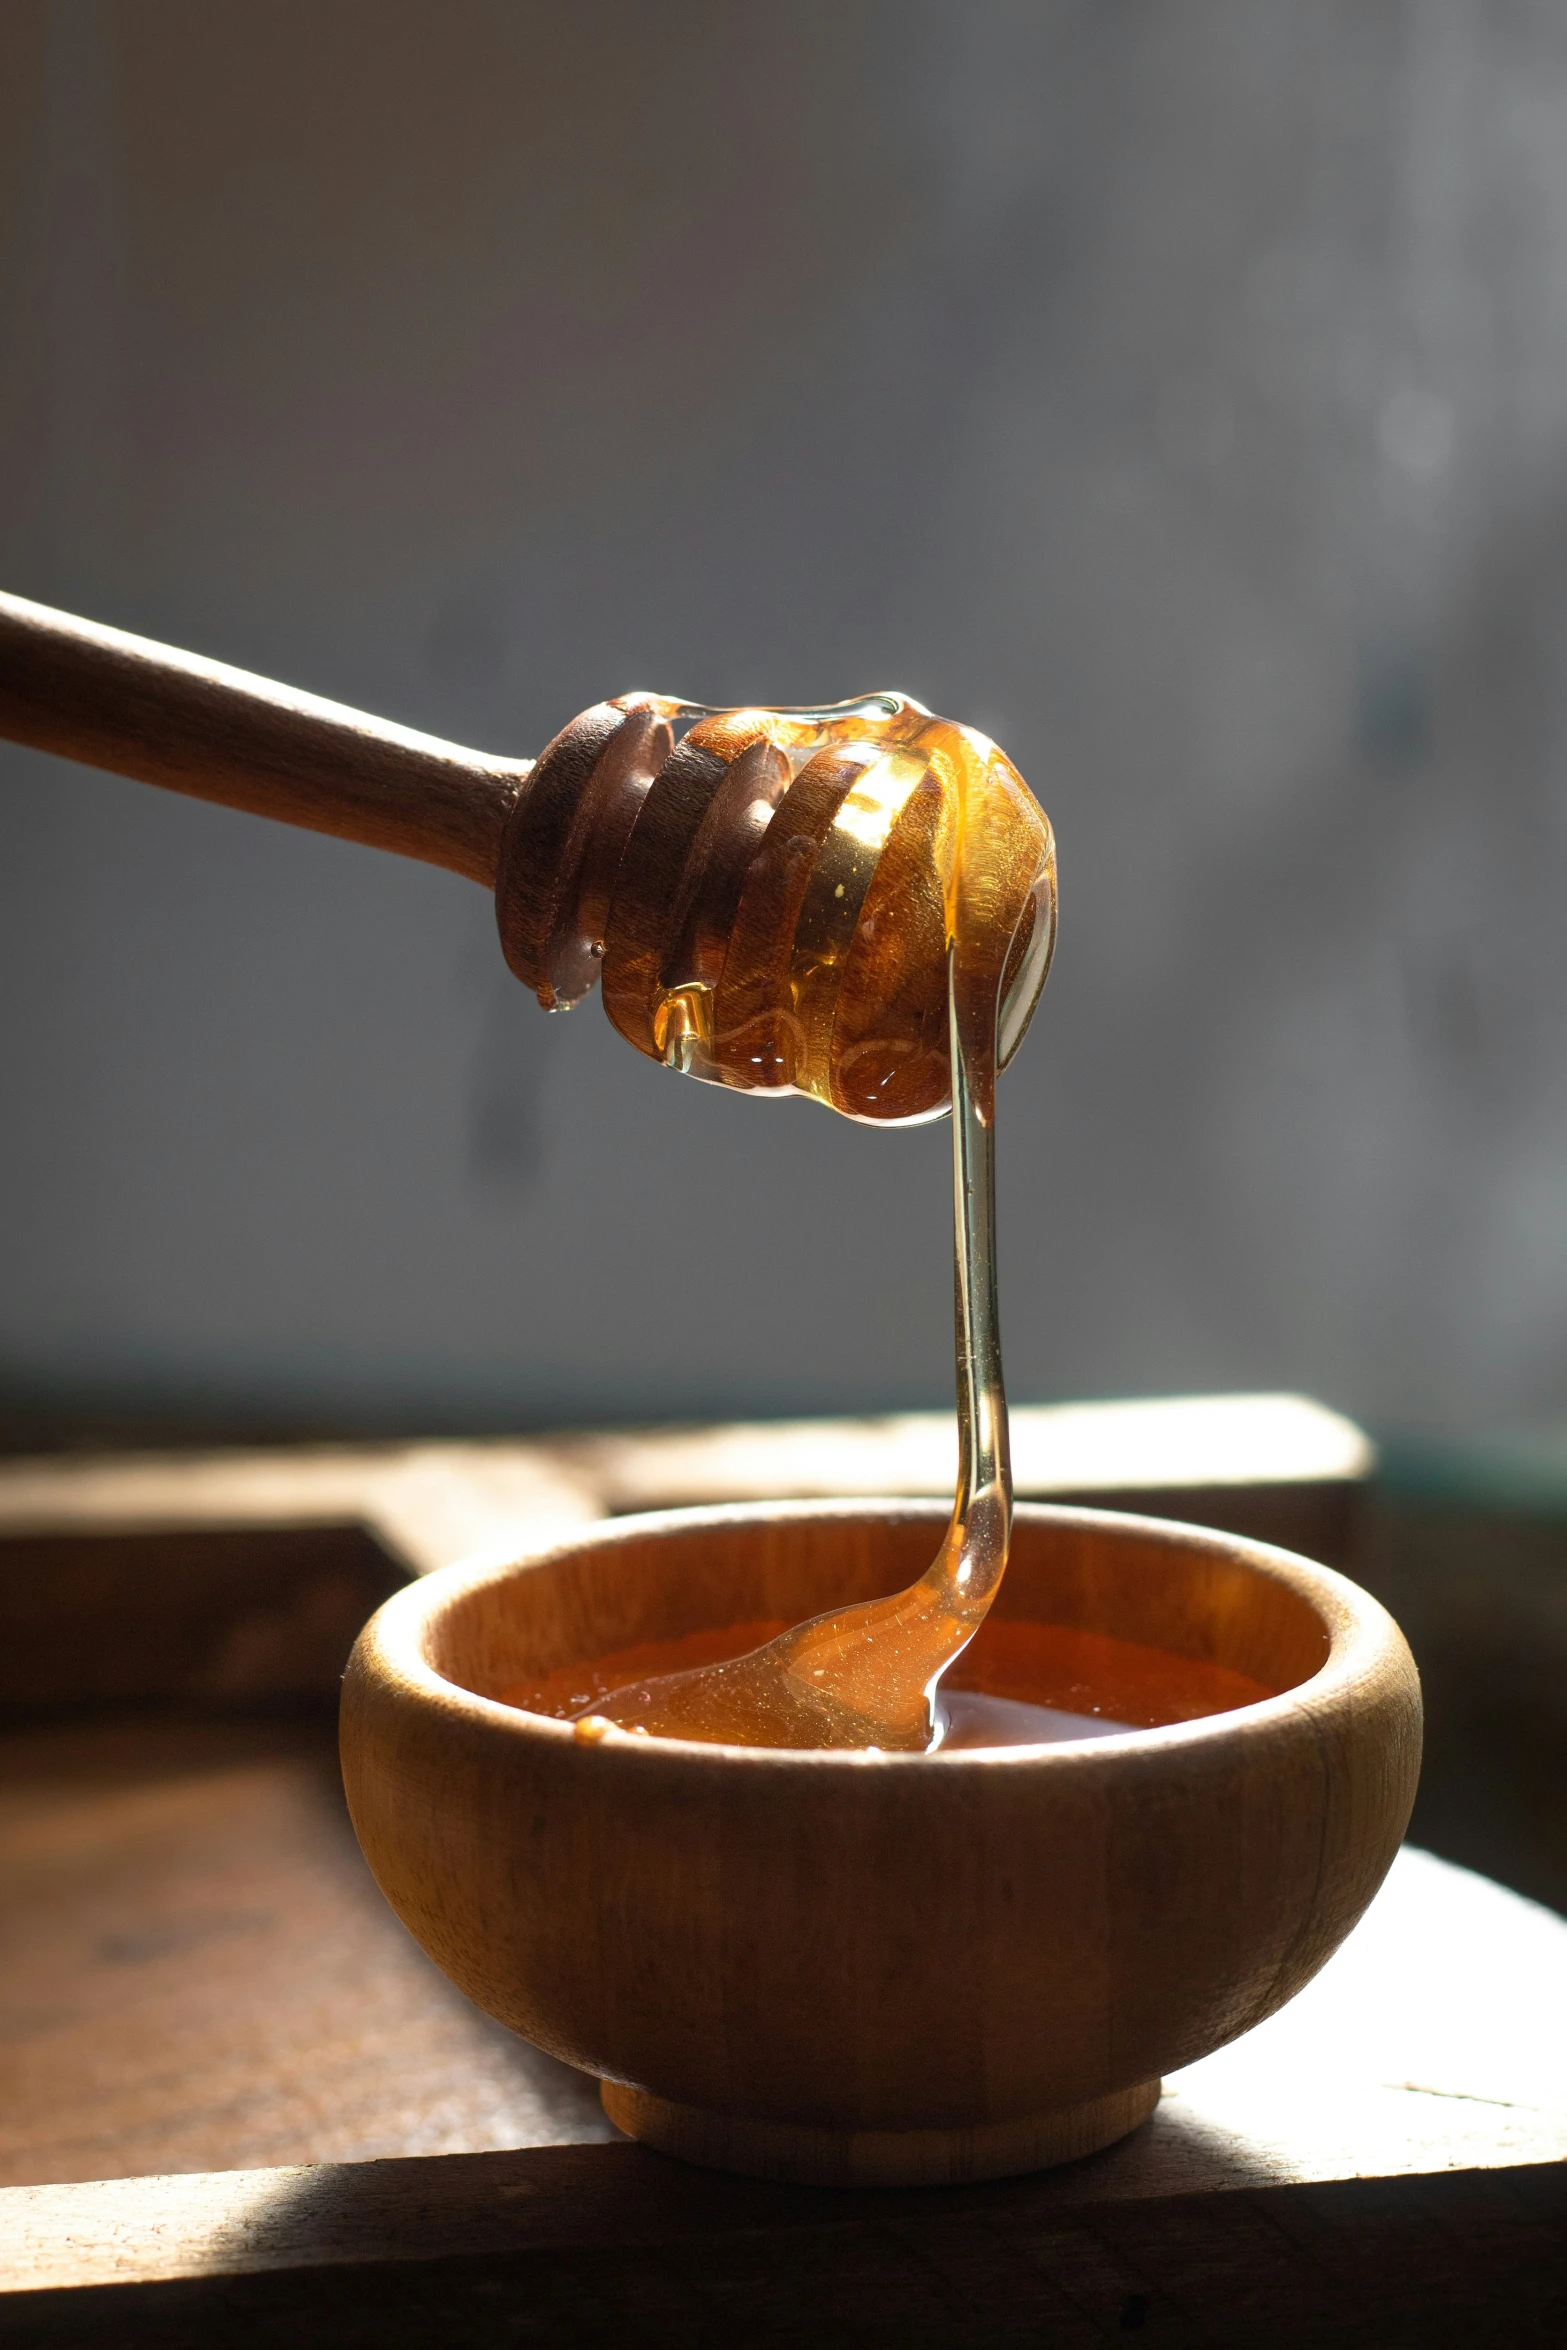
{"points": [[1017, 1684]]}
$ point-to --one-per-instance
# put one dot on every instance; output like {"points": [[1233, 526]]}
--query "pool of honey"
{"points": [[1016, 1684]]}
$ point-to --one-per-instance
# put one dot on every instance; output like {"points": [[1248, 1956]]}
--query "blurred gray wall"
{"points": [[1177, 390]]}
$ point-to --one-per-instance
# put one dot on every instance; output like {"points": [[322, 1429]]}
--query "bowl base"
{"points": [[877, 2158]]}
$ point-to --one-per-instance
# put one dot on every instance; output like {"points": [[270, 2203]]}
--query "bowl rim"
{"points": [[1362, 1637]]}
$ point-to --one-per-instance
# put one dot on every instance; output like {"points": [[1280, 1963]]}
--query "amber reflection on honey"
{"points": [[1091, 1674], [805, 943]]}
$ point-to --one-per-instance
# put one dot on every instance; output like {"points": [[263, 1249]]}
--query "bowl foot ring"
{"points": [[877, 2158]]}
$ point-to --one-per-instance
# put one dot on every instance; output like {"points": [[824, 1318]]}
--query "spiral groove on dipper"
{"points": [[768, 901]]}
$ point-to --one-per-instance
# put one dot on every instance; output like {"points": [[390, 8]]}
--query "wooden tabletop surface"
{"points": [[240, 2106], [203, 1985], [1432, 2042]]}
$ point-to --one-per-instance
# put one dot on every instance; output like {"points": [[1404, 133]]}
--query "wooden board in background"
{"points": [[240, 1576]]}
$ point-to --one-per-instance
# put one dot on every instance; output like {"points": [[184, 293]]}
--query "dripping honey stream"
{"points": [[868, 1676]]}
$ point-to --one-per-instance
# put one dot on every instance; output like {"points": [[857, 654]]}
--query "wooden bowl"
{"points": [[880, 1969]]}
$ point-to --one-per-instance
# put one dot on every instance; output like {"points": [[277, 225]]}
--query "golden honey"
{"points": [[855, 904], [1016, 1684]]}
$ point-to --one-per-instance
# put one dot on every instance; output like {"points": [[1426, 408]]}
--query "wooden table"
{"points": [[240, 2107]]}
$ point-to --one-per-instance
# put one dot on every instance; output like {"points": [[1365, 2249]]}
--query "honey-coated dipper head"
{"points": [[770, 901]]}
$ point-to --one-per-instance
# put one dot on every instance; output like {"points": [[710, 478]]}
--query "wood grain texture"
{"points": [[198, 1971], [199, 1974], [1481, 1593], [1279, 1468], [1428, 2042], [604, 2245], [771, 1935], [771, 2149], [433, 1503], [427, 1505], [142, 709], [220, 1615], [240, 1577], [245, 1575]]}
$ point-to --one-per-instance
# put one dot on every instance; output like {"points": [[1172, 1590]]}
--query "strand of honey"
{"points": [[866, 1676]]}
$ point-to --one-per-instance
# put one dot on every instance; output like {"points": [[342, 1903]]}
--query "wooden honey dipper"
{"points": [[856, 903]]}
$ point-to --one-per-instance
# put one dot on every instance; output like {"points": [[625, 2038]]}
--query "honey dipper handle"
{"points": [[196, 726]]}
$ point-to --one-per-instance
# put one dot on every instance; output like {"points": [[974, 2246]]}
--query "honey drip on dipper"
{"points": [[858, 904]]}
